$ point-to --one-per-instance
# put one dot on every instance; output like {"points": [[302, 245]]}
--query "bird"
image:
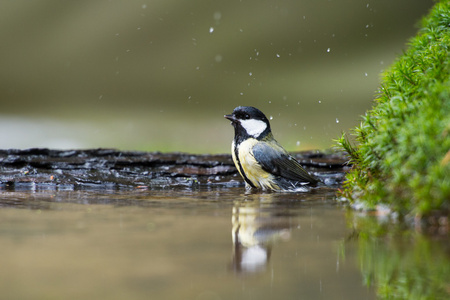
{"points": [[261, 161]]}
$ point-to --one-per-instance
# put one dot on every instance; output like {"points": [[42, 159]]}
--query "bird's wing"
{"points": [[277, 161]]}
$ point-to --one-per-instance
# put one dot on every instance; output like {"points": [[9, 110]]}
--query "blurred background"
{"points": [[159, 75]]}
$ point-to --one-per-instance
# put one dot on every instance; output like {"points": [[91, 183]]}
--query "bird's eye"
{"points": [[242, 115]]}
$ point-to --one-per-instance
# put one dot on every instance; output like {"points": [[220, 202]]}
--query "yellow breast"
{"points": [[251, 168]]}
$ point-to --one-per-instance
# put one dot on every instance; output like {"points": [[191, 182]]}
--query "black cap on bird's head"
{"points": [[249, 121]]}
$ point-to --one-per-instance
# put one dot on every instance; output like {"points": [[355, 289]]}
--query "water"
{"points": [[212, 243], [177, 244]]}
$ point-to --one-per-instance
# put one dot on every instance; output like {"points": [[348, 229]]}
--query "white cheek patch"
{"points": [[253, 127]]}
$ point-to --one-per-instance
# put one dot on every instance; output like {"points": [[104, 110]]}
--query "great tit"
{"points": [[261, 161]]}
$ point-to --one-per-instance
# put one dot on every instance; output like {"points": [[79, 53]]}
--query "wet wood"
{"points": [[114, 169]]}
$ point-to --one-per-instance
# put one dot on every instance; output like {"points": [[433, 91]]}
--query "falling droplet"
{"points": [[271, 118], [337, 120], [328, 50], [217, 15], [211, 29], [298, 143], [278, 55]]}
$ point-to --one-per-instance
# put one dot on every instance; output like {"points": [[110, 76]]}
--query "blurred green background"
{"points": [[160, 75]]}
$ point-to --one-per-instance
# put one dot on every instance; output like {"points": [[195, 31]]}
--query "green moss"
{"points": [[402, 141]]}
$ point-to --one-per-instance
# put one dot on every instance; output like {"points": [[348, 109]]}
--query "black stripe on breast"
{"points": [[236, 154]]}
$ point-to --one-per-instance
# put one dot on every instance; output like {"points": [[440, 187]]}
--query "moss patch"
{"points": [[403, 143]]}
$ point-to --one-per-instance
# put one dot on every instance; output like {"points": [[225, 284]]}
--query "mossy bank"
{"points": [[402, 152]]}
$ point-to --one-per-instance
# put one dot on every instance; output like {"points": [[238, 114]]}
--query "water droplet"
{"points": [[270, 117], [365, 74], [217, 15], [211, 29], [337, 120], [298, 143], [328, 50], [278, 55], [241, 94], [320, 101], [250, 74]]}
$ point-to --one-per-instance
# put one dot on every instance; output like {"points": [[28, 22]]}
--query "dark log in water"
{"points": [[114, 169]]}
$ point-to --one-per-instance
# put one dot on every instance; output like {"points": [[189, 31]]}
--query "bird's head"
{"points": [[249, 121]]}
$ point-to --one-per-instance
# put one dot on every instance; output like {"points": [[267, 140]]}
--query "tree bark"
{"points": [[114, 169]]}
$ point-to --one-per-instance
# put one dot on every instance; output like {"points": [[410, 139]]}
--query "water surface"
{"points": [[177, 244]]}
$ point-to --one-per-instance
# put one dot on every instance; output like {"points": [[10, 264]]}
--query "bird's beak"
{"points": [[230, 117]]}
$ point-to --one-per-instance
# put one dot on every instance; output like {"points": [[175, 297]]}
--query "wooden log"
{"points": [[39, 168]]}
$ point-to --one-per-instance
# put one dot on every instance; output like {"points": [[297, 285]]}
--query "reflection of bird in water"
{"points": [[255, 230]]}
